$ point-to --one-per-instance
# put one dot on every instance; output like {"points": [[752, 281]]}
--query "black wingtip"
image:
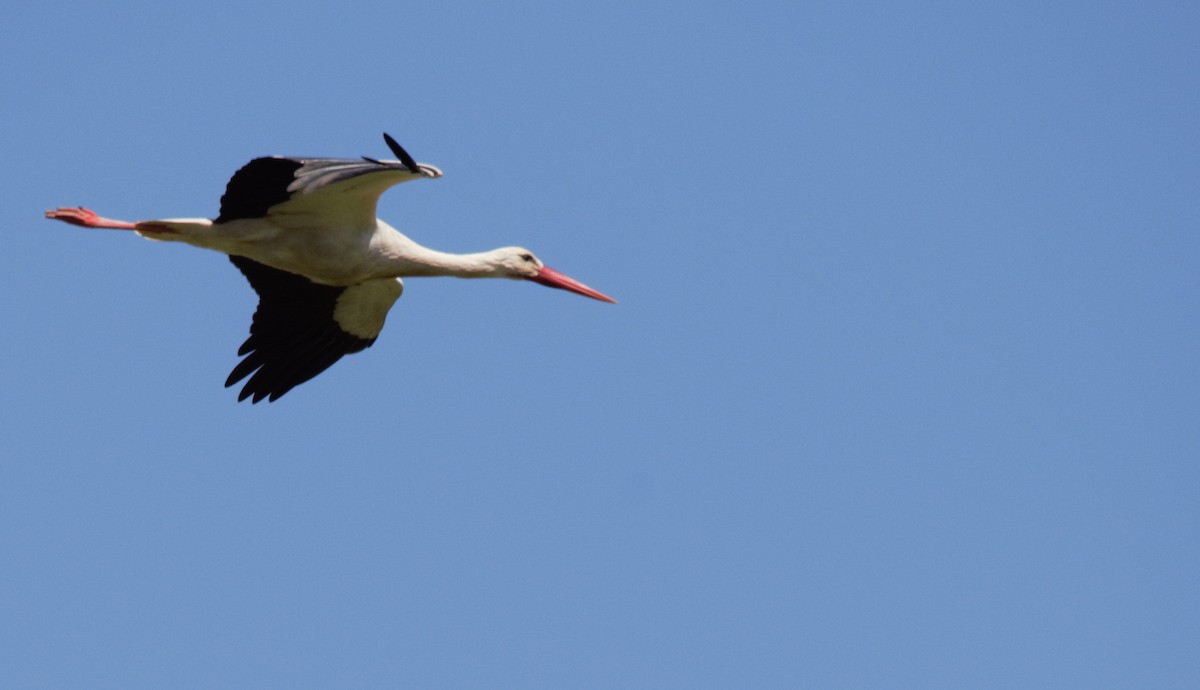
{"points": [[401, 154]]}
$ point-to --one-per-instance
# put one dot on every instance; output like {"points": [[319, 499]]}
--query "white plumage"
{"points": [[304, 233]]}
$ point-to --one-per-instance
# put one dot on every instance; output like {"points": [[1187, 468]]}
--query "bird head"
{"points": [[520, 264]]}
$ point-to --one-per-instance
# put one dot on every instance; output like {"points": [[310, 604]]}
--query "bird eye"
{"points": [[527, 257]]}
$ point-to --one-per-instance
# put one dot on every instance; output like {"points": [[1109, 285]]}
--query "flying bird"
{"points": [[303, 232]]}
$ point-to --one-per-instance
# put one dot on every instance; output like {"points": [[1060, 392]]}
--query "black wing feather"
{"points": [[293, 336], [401, 154], [256, 187]]}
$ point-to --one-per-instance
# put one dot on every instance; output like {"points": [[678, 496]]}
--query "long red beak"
{"points": [[552, 278]]}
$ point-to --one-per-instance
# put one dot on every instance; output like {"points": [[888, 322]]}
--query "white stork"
{"points": [[304, 233]]}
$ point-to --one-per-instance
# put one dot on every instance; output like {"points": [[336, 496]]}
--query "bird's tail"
{"points": [[175, 229]]}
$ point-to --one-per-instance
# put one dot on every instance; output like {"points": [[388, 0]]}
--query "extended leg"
{"points": [[88, 219]]}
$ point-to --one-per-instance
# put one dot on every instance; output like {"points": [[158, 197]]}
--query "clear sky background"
{"points": [[901, 390]]}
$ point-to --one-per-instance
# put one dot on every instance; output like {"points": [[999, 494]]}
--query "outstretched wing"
{"points": [[325, 192], [301, 328]]}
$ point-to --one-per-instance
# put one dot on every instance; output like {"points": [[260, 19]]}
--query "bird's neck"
{"points": [[407, 258]]}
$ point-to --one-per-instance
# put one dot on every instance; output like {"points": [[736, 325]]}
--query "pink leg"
{"points": [[88, 219]]}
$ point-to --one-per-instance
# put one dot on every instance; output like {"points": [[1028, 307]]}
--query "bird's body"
{"points": [[304, 233], [346, 256]]}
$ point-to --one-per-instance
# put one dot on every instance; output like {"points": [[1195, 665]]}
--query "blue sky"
{"points": [[901, 391]]}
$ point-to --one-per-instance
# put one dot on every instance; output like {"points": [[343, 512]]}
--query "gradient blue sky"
{"points": [[901, 391]]}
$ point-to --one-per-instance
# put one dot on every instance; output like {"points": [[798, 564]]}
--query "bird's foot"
{"points": [[88, 219]]}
